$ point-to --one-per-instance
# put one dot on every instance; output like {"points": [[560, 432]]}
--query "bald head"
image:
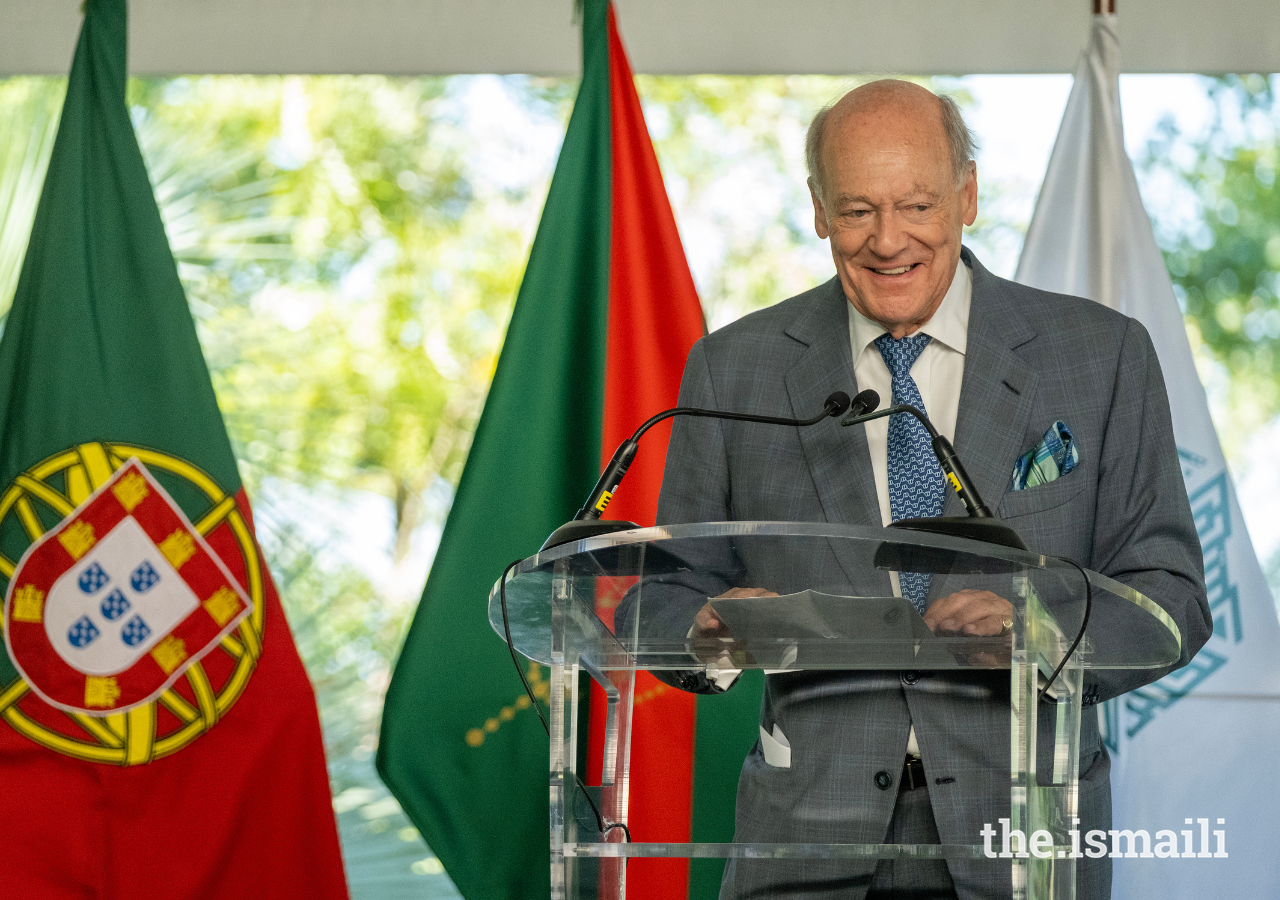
{"points": [[891, 101]]}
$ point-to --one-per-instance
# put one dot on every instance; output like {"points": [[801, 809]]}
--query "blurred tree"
{"points": [[1223, 251], [732, 153], [29, 111], [351, 277]]}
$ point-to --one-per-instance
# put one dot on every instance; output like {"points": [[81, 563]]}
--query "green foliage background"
{"points": [[1224, 253], [351, 248]]}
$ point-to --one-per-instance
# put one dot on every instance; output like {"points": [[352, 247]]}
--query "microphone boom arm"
{"points": [[602, 493]]}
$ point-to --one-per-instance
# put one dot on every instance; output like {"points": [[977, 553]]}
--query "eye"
{"points": [[921, 207]]}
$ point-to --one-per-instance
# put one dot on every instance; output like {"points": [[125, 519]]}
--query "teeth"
{"points": [[897, 271]]}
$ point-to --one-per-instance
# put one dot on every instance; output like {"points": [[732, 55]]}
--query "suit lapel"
{"points": [[997, 393], [838, 458]]}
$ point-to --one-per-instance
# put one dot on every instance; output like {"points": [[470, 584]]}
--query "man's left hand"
{"points": [[972, 613]]}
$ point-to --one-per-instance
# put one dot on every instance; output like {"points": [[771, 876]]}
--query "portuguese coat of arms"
{"points": [[107, 610]]}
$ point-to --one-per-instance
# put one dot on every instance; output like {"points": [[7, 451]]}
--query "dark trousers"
{"points": [[912, 879]]}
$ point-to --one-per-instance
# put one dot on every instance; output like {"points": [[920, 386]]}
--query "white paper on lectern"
{"points": [[1203, 741]]}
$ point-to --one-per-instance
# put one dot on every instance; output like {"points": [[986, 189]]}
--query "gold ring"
{"points": [[1007, 622]]}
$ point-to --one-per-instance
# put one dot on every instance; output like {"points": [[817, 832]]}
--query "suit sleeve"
{"points": [[695, 488], [1144, 534]]}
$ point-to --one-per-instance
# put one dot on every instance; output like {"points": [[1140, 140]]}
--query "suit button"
{"points": [[910, 677], [884, 780]]}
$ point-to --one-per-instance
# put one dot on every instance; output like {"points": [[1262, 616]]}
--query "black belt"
{"points": [[912, 774]]}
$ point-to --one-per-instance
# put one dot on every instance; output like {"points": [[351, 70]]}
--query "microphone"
{"points": [[865, 402], [587, 522], [980, 524]]}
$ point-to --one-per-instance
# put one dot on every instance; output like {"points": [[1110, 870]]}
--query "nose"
{"points": [[888, 239]]}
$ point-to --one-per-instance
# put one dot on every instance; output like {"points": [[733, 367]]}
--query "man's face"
{"points": [[892, 211]]}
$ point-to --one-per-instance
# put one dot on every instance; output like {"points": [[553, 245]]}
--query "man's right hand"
{"points": [[709, 625]]}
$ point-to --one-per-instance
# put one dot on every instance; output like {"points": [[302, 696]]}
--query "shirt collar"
{"points": [[949, 324]]}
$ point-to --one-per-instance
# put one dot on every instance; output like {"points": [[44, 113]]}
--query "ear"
{"points": [[819, 213], [969, 195]]}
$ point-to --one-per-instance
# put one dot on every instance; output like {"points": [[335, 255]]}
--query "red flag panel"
{"points": [[654, 320]]}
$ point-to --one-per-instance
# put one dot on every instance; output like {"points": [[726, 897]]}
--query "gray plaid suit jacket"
{"points": [[1032, 358]]}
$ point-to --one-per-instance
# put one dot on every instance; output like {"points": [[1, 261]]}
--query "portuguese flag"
{"points": [[603, 322], [217, 788]]}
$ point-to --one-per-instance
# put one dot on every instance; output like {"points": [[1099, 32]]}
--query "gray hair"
{"points": [[960, 142]]}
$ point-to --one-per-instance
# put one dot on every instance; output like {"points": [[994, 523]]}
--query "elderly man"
{"points": [[998, 367]]}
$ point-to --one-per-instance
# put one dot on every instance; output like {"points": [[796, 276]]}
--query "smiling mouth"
{"points": [[897, 270]]}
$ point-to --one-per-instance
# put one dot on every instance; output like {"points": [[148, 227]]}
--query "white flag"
{"points": [[1203, 743]]}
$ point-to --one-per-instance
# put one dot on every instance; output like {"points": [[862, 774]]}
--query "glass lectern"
{"points": [[834, 612]]}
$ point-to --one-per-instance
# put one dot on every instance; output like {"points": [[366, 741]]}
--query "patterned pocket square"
{"points": [[1053, 457]]}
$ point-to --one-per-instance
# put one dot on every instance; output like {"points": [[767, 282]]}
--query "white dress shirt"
{"points": [[938, 373]]}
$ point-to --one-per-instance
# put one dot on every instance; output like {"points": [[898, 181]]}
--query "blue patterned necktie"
{"points": [[916, 485]]}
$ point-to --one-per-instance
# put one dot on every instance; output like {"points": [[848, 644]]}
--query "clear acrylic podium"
{"points": [[836, 611]]}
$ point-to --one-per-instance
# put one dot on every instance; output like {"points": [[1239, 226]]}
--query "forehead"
{"points": [[902, 143]]}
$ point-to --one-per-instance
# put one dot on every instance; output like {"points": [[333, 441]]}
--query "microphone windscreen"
{"points": [[866, 401], [836, 403]]}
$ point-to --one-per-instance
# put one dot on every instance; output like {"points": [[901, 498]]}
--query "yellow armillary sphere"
{"points": [[208, 688]]}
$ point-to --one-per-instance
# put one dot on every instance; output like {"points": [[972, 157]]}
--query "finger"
{"points": [[968, 608], [977, 622], [947, 606], [988, 626], [953, 612], [708, 619], [741, 593]]}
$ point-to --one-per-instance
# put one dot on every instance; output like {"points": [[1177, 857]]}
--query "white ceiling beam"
{"points": [[417, 37]]}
